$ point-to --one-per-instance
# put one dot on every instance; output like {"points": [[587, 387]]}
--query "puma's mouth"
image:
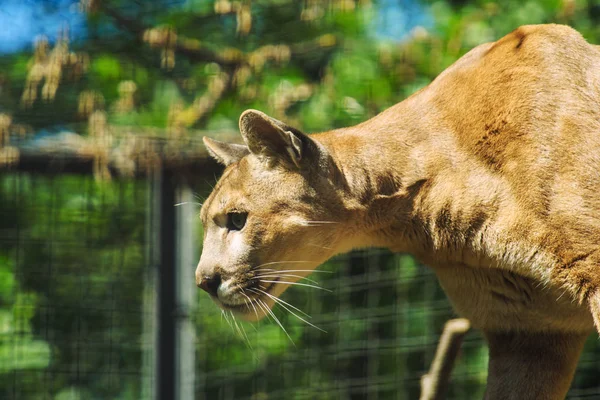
{"points": [[251, 298]]}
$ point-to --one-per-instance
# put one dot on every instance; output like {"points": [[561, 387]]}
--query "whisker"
{"points": [[296, 283], [223, 314], [262, 309], [562, 294], [234, 324], [276, 320], [242, 331], [271, 275], [279, 262], [277, 299], [246, 302], [210, 184], [198, 197], [251, 303], [187, 202], [316, 223], [294, 270], [283, 305], [246, 335], [237, 327]]}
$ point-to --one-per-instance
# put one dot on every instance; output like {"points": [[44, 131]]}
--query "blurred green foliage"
{"points": [[196, 65], [16, 320], [71, 276]]}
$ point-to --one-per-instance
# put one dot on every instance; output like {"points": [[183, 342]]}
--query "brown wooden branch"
{"points": [[230, 59], [128, 24], [195, 50], [434, 384]]}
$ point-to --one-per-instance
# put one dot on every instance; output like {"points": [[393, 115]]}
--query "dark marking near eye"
{"points": [[279, 207]]}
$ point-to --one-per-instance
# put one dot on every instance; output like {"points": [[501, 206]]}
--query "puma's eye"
{"points": [[236, 220]]}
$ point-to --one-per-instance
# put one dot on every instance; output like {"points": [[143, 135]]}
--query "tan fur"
{"points": [[490, 175]]}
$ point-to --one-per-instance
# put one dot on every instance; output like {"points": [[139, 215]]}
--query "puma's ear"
{"points": [[225, 153], [272, 139]]}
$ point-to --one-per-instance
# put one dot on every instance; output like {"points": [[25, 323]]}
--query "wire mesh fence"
{"points": [[383, 318], [72, 259], [78, 305]]}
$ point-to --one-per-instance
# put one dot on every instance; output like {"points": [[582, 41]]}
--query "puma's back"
{"points": [[528, 108]]}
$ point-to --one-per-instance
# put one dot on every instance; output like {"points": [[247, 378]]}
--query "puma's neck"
{"points": [[409, 188], [387, 199]]}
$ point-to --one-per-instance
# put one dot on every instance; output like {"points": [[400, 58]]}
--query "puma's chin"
{"points": [[249, 304], [256, 313]]}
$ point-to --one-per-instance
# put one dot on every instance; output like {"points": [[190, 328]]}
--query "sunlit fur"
{"points": [[490, 175]]}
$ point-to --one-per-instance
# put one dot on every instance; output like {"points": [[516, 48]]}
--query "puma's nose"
{"points": [[210, 284]]}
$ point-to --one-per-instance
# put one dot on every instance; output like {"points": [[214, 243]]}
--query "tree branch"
{"points": [[190, 48], [195, 50], [434, 384]]}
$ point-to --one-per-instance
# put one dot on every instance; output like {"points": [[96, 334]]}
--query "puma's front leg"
{"points": [[531, 365]]}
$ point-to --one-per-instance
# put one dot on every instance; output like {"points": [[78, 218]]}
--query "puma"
{"points": [[490, 175]]}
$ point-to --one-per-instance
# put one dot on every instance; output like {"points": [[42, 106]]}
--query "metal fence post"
{"points": [[166, 345], [186, 257], [173, 255]]}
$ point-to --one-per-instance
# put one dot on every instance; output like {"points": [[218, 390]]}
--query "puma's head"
{"points": [[274, 215]]}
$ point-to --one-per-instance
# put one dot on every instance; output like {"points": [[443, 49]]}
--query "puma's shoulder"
{"points": [[530, 56], [541, 38], [530, 45], [512, 103]]}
